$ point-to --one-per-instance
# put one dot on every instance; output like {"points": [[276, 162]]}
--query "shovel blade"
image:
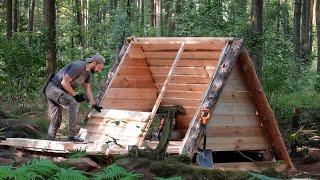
{"points": [[205, 159]]}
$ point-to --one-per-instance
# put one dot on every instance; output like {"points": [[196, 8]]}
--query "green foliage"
{"points": [[78, 153], [36, 169], [6, 172], [70, 173], [116, 172]]}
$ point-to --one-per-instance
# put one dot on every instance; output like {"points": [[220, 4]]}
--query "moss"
{"points": [[180, 158]]}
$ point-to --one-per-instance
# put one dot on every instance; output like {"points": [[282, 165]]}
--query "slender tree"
{"points": [[9, 18], [285, 17], [15, 15], [79, 19], [153, 13], [31, 15], [49, 9], [256, 23], [296, 34], [318, 34], [305, 31]]}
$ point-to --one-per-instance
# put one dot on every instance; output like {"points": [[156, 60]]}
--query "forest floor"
{"points": [[30, 127]]}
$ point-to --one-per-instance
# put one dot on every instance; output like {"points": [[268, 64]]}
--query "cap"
{"points": [[97, 57]]}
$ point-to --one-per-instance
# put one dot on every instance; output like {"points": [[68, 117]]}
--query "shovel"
{"points": [[204, 157]]}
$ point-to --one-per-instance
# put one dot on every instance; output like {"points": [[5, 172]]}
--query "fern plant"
{"points": [[114, 172], [78, 153], [6, 172], [36, 169], [70, 173]]}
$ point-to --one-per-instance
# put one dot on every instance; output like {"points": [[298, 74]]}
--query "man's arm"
{"points": [[67, 86], [87, 89]]}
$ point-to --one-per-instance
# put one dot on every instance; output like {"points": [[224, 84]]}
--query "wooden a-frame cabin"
{"points": [[194, 72]]}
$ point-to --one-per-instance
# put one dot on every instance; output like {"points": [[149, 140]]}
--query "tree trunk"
{"points": [[153, 13], [285, 19], [305, 31], [31, 15], [142, 15], [9, 18], [79, 20], [318, 34], [256, 23], [296, 35], [15, 15], [49, 9]]}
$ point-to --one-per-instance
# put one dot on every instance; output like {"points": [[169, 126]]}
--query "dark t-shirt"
{"points": [[77, 71]]}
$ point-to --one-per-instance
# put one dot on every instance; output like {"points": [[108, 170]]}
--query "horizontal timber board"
{"points": [[235, 96], [163, 46], [235, 85], [131, 93], [183, 121], [98, 121], [185, 55], [208, 71], [141, 103], [134, 71], [235, 131], [135, 52], [236, 143], [121, 114], [125, 82], [180, 101], [93, 137], [234, 120], [183, 79], [183, 87], [181, 39], [134, 62], [235, 108], [182, 62], [184, 94], [114, 131]]}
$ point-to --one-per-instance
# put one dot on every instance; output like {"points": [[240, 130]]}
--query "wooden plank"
{"points": [[180, 101], [132, 82], [182, 39], [208, 71], [184, 94], [131, 93], [235, 108], [183, 79], [238, 166], [183, 62], [93, 137], [121, 114], [183, 87], [185, 55], [183, 121], [135, 62], [174, 46], [234, 120], [163, 89], [235, 131], [236, 143], [114, 122], [134, 71], [236, 85], [173, 146], [135, 52], [128, 103], [235, 96], [122, 132]]}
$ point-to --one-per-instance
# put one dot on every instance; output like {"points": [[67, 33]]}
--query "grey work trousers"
{"points": [[61, 100]]}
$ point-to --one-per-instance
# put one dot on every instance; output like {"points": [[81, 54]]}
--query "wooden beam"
{"points": [[163, 89], [226, 62], [182, 39], [264, 110]]}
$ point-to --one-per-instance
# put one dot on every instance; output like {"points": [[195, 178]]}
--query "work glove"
{"points": [[80, 97], [96, 107]]}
